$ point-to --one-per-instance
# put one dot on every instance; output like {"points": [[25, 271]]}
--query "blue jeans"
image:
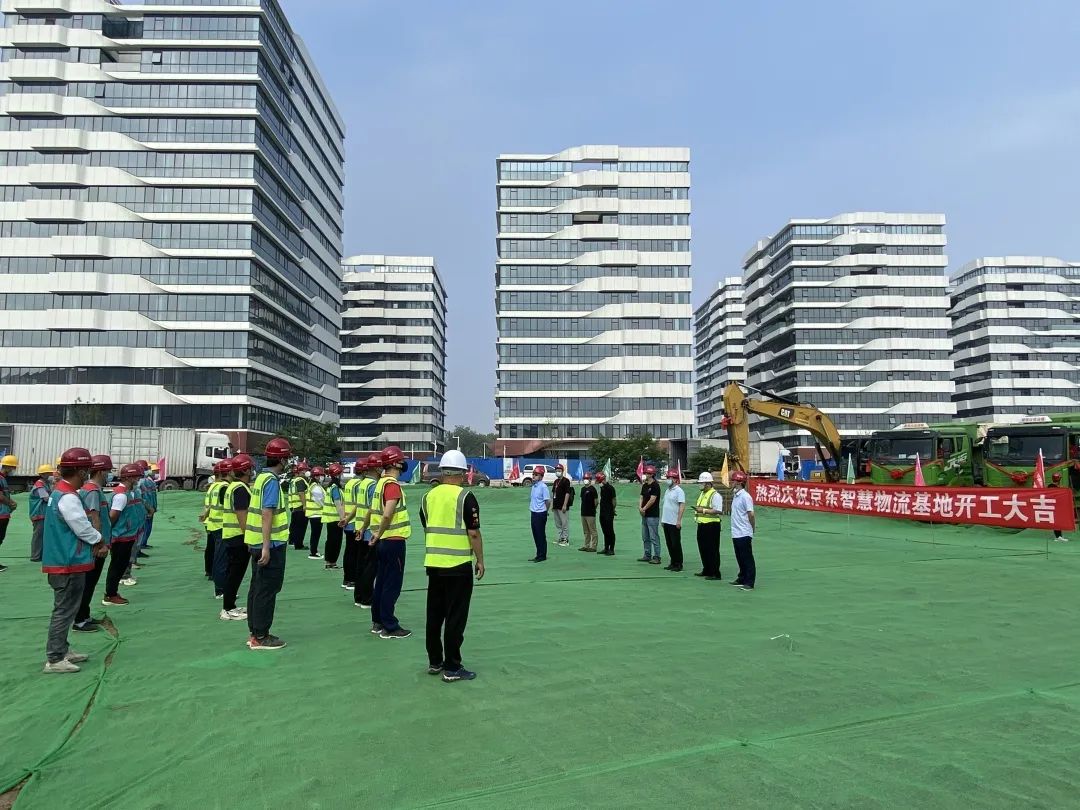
{"points": [[389, 577], [539, 533], [650, 536], [147, 529]]}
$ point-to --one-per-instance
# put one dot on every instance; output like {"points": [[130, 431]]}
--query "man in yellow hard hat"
{"points": [[39, 502], [7, 503]]}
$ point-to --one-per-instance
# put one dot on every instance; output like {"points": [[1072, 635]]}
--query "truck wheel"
{"points": [[485, 483], [204, 484], [170, 484]]}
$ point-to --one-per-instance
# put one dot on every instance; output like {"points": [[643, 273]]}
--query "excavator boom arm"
{"points": [[738, 406]]}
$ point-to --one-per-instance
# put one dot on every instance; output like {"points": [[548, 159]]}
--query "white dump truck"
{"points": [[189, 454]]}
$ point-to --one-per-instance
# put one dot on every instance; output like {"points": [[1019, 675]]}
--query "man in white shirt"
{"points": [[671, 515], [742, 532]]}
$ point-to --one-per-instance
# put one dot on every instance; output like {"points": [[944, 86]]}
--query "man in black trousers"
{"points": [[607, 514]]}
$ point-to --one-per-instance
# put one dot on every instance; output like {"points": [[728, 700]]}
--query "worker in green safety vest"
{"points": [[450, 516], [266, 535]]}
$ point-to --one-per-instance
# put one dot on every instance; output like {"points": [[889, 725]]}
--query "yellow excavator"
{"points": [[738, 407]]}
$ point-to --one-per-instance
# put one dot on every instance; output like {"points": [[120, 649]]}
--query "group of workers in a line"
{"points": [[76, 525], [657, 510], [368, 517]]}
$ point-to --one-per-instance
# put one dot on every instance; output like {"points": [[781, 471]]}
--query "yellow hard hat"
{"points": [[9, 461], [155, 467], [45, 469]]}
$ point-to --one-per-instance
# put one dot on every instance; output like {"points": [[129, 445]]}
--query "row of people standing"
{"points": [[658, 511]]}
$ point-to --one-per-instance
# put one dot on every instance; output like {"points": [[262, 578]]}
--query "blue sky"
{"points": [[791, 109]]}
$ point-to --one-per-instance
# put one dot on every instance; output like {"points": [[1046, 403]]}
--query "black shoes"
{"points": [[538, 559]]}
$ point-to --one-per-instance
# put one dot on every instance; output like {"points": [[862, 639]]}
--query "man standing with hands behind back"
{"points": [[742, 531], [588, 513], [539, 505]]}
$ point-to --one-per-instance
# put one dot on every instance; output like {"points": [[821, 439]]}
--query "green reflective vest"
{"points": [[212, 502], [399, 527], [311, 506], [329, 507], [279, 525], [230, 524], [704, 500], [445, 538]]}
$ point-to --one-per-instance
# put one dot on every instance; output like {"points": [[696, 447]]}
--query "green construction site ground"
{"points": [[879, 664]]}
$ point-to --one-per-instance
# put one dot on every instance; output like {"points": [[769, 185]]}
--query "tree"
{"points": [[85, 413], [315, 441], [472, 443], [707, 459], [625, 453]]}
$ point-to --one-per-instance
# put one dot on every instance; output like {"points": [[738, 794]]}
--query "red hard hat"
{"points": [[242, 463], [739, 476], [142, 465], [301, 466], [673, 474], [335, 469], [588, 476], [101, 463], [560, 467], [226, 466], [77, 458], [130, 471], [601, 477], [374, 461], [1055, 477], [650, 470], [318, 471], [392, 456], [278, 448], [359, 466]]}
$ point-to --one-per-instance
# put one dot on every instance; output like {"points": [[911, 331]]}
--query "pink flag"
{"points": [[471, 475], [1040, 472], [919, 480], [515, 472], [161, 469], [641, 468], [678, 469]]}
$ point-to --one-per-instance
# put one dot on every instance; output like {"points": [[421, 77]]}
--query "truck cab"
{"points": [[949, 454], [1011, 452]]}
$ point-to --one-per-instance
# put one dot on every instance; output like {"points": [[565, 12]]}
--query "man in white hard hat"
{"points": [[707, 511], [450, 516]]}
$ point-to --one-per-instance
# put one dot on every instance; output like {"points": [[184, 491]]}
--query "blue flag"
{"points": [[580, 472], [780, 468]]}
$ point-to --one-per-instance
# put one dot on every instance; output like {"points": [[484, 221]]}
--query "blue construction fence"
{"points": [[494, 468]]}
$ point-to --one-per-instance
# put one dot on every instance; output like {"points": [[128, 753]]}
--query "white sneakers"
{"points": [[234, 615], [129, 581], [66, 664]]}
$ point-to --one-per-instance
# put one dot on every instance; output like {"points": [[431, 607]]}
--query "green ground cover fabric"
{"points": [[879, 664]]}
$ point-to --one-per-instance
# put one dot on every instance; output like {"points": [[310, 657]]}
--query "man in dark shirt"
{"points": [[649, 508], [560, 496], [588, 513], [607, 514]]}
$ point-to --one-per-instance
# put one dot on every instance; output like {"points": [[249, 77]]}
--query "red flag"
{"points": [[919, 480], [678, 469], [515, 472], [1040, 472], [471, 475], [161, 469], [641, 468]]}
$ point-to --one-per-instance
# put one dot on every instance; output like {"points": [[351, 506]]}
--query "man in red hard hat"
{"points": [[608, 499], [367, 561], [69, 547], [390, 530], [588, 514], [96, 504], [649, 509], [266, 536], [298, 490], [562, 496]]}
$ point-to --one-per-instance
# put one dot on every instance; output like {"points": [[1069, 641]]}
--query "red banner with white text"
{"points": [[1014, 508]]}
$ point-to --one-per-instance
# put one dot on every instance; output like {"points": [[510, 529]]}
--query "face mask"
{"points": [[670, 483], [558, 474]]}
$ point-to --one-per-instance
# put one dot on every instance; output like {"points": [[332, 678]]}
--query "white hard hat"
{"points": [[453, 460], [705, 478]]}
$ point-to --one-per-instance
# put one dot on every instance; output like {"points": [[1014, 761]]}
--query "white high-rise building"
{"points": [[170, 217], [1016, 337], [851, 314], [393, 354], [718, 353], [593, 295]]}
